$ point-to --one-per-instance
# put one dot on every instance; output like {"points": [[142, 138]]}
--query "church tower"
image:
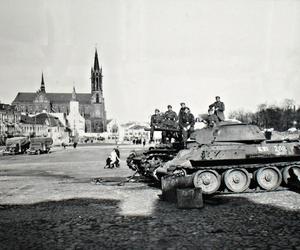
{"points": [[40, 101], [96, 79], [98, 114], [43, 89], [76, 121]]}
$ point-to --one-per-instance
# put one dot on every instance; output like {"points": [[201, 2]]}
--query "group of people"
{"points": [[113, 160], [182, 125], [174, 126], [139, 141], [171, 124]]}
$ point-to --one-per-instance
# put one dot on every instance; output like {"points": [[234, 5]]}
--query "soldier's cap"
{"points": [[186, 108], [217, 97], [156, 110], [182, 103], [169, 106]]}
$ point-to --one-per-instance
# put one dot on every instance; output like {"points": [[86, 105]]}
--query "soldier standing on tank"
{"points": [[181, 111], [156, 122], [219, 108], [186, 124], [170, 122], [180, 115]]}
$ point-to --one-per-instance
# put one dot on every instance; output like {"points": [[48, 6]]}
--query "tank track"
{"points": [[253, 190]]}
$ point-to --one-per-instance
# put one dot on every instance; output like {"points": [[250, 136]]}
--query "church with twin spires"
{"points": [[91, 105]]}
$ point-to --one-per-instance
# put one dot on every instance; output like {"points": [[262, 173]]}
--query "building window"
{"points": [[97, 98]]}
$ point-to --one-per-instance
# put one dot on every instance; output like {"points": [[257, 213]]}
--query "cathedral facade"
{"points": [[91, 105]]}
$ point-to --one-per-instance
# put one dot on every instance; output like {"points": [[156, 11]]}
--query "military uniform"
{"points": [[170, 119], [186, 124], [170, 122], [219, 110], [181, 113], [156, 121]]}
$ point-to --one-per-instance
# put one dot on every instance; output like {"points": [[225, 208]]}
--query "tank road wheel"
{"points": [[268, 178], [208, 180], [237, 180]]}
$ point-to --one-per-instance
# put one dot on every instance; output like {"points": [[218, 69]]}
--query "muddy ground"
{"points": [[49, 202]]}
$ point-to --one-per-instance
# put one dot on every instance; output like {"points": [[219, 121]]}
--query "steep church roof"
{"points": [[28, 97], [96, 62], [74, 96], [43, 89]]}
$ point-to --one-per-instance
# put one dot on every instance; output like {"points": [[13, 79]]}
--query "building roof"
{"points": [[109, 120], [7, 107], [96, 62], [27, 119], [128, 124], [41, 120], [28, 97], [138, 127]]}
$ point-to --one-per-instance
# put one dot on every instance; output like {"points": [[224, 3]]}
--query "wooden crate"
{"points": [[189, 198]]}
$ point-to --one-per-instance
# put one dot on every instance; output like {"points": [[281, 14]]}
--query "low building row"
{"points": [[61, 127], [14, 123]]}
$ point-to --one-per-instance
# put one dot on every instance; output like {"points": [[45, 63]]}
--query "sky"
{"points": [[154, 53]]}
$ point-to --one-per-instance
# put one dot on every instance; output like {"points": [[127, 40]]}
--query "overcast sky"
{"points": [[154, 53]]}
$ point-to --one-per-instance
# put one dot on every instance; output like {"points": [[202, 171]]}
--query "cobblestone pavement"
{"points": [[48, 202]]}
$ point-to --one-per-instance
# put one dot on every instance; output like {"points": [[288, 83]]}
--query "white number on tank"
{"points": [[279, 149], [262, 149]]}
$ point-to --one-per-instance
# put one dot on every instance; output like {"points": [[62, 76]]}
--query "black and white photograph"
{"points": [[139, 124]]}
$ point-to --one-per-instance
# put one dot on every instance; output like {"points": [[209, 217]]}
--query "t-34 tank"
{"points": [[235, 157]]}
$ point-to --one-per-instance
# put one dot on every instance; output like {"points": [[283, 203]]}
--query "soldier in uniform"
{"points": [[181, 111], [170, 122], [186, 124], [156, 121], [218, 108], [212, 119]]}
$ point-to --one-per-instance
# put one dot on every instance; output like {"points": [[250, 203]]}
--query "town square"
{"points": [[142, 124], [50, 201]]}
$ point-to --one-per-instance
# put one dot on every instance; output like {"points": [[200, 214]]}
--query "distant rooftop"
{"points": [[41, 119], [84, 98]]}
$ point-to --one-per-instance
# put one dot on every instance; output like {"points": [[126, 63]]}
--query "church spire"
{"points": [[96, 62], [43, 89], [96, 75], [74, 94]]}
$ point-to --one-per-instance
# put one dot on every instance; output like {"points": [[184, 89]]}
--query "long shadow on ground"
{"points": [[226, 222]]}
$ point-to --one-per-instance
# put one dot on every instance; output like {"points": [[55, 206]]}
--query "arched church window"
{"points": [[97, 98], [97, 84]]}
